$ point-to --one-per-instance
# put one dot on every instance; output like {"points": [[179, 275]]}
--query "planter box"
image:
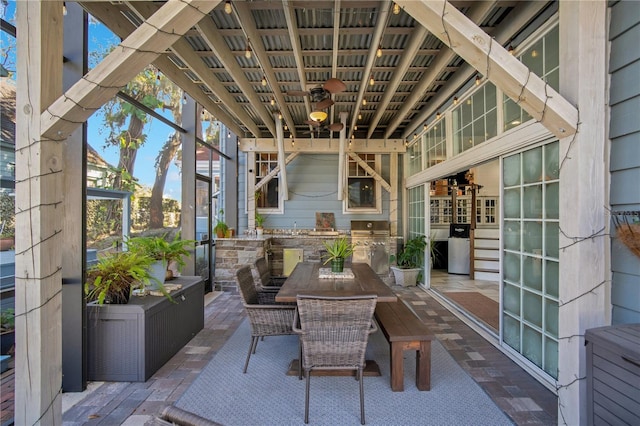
{"points": [[406, 277], [131, 342]]}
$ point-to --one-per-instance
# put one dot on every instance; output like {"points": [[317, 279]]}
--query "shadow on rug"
{"points": [[478, 304], [267, 396]]}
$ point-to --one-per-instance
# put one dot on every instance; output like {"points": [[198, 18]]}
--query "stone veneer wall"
{"points": [[231, 253]]}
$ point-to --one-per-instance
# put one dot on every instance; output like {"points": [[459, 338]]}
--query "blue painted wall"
{"points": [[624, 67], [313, 187]]}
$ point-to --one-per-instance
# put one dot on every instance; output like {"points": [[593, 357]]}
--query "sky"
{"points": [[157, 132]]}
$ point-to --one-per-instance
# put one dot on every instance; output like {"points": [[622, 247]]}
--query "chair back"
{"points": [[246, 285], [263, 271], [335, 330]]}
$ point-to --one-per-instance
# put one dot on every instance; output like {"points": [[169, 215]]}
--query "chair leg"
{"points": [[255, 344], [252, 348], [299, 360], [361, 396], [306, 395]]}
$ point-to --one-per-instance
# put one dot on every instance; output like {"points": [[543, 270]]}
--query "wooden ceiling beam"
{"points": [[182, 49], [479, 50], [217, 44], [438, 65], [134, 53], [414, 43], [294, 38], [245, 18], [383, 12]]}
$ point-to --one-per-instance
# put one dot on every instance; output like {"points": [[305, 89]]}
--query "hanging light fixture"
{"points": [[359, 116], [318, 116], [279, 115], [247, 52], [364, 102], [264, 81], [396, 9], [371, 81], [227, 7], [273, 102], [379, 52], [455, 100], [477, 80]]}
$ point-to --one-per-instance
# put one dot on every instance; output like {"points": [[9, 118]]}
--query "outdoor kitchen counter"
{"points": [[231, 253]]}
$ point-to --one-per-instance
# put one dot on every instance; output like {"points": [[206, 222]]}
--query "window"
{"points": [[364, 192], [474, 121], [267, 197], [486, 213], [436, 144], [414, 154], [415, 213], [543, 60]]}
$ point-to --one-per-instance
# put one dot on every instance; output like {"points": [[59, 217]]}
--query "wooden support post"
{"points": [[39, 217]]}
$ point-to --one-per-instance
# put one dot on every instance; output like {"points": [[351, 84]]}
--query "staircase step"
{"points": [[491, 264], [486, 276]]}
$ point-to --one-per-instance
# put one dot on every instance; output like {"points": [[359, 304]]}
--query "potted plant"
{"points": [[115, 276], [7, 227], [221, 227], [259, 222], [337, 251], [163, 252], [410, 259], [7, 331]]}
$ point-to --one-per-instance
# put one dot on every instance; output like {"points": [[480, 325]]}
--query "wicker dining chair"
{"points": [[334, 332], [265, 320], [266, 279]]}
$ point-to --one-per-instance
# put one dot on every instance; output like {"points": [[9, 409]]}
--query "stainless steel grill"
{"points": [[372, 244]]}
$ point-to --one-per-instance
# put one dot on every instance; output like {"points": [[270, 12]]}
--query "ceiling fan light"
{"points": [[318, 116]]}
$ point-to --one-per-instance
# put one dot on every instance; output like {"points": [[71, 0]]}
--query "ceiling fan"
{"points": [[321, 98]]}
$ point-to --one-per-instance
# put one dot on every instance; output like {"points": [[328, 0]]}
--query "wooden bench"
{"points": [[404, 331]]}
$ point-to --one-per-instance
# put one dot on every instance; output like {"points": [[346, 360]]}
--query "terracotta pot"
{"points": [[7, 243]]}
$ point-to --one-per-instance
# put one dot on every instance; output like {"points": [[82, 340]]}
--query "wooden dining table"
{"points": [[306, 279]]}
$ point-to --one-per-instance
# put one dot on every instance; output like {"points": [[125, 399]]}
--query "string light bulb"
{"points": [[379, 52], [64, 8], [455, 100], [184, 99], [424, 127], [286, 127], [264, 81], [273, 102], [371, 81], [438, 115], [355, 127], [359, 116], [511, 50], [227, 7], [477, 80], [247, 52], [364, 102], [279, 116], [396, 9]]}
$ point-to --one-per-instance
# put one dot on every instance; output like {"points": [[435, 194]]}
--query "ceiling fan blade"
{"points": [[325, 103], [312, 123], [334, 85], [297, 93], [336, 127]]}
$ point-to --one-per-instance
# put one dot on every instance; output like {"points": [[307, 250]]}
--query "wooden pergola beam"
{"points": [[142, 47], [479, 50]]}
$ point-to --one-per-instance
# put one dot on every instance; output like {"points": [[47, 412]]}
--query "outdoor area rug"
{"points": [[267, 396], [478, 304]]}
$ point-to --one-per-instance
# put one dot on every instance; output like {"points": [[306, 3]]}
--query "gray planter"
{"points": [[131, 342]]}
